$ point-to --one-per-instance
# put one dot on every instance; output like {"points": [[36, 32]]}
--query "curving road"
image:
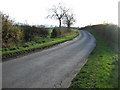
{"points": [[51, 68]]}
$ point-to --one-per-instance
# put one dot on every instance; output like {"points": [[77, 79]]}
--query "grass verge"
{"points": [[101, 69], [21, 50]]}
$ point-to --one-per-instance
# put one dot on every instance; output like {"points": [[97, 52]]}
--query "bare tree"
{"points": [[69, 19], [58, 12]]}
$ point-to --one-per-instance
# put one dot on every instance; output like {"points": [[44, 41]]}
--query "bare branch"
{"points": [[58, 12], [69, 19]]}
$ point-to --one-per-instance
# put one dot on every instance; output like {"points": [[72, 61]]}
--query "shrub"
{"points": [[43, 32], [11, 33], [55, 33], [31, 31]]}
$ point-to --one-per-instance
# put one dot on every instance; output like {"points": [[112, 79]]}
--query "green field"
{"points": [[101, 69]]}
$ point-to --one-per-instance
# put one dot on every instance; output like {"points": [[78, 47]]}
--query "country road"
{"points": [[50, 68]]}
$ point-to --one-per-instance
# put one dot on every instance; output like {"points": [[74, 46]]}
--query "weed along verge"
{"points": [[101, 70], [34, 46]]}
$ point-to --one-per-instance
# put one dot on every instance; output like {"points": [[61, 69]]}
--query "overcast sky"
{"points": [[87, 11]]}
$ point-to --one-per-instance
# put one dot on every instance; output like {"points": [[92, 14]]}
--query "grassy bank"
{"points": [[101, 69], [33, 45]]}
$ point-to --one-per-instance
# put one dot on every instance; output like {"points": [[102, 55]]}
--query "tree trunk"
{"points": [[60, 23], [68, 25]]}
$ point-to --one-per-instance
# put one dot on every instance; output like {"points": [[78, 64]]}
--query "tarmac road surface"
{"points": [[50, 68]]}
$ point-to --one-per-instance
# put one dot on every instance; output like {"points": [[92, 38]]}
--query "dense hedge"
{"points": [[13, 33], [31, 31]]}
